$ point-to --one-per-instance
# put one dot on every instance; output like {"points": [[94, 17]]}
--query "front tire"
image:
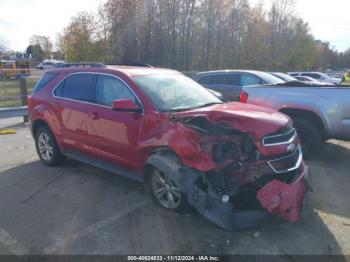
{"points": [[47, 148], [310, 136], [167, 193]]}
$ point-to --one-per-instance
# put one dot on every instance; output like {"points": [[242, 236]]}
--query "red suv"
{"points": [[233, 162]]}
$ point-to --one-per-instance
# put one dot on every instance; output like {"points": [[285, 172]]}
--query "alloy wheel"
{"points": [[45, 146], [165, 190]]}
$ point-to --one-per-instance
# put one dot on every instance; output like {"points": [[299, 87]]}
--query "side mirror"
{"points": [[125, 105]]}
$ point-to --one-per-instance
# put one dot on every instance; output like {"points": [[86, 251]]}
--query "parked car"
{"points": [[233, 162], [230, 82], [318, 76], [46, 65], [307, 79], [284, 77], [298, 80], [318, 113]]}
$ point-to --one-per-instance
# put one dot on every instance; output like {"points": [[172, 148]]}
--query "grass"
{"points": [[10, 91]]}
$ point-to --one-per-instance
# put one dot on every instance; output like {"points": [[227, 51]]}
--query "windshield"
{"points": [[268, 78], [175, 92]]}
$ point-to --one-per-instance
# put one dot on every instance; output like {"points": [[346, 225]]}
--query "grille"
{"points": [[287, 163], [281, 138]]}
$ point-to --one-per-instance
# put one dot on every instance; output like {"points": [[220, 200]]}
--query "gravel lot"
{"points": [[78, 209]]}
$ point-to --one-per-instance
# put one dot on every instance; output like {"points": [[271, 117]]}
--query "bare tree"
{"points": [[201, 34], [3, 45]]}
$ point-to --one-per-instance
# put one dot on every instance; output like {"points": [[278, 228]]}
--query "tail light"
{"points": [[243, 97], [30, 101]]}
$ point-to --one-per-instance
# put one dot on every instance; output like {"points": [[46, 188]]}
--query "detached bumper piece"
{"points": [[284, 199]]}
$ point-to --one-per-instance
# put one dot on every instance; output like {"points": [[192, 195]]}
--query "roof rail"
{"points": [[136, 64], [81, 64]]}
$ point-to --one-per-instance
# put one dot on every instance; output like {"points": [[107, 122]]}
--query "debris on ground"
{"points": [[256, 234], [212, 245]]}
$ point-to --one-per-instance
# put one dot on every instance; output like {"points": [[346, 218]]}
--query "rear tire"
{"points": [[310, 136], [47, 148]]}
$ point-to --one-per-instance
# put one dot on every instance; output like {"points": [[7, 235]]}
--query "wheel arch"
{"points": [[38, 123], [310, 115], [164, 151]]}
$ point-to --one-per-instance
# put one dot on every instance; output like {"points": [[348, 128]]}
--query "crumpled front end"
{"points": [[244, 179]]}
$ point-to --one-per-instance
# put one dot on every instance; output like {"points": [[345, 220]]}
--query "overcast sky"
{"points": [[328, 19]]}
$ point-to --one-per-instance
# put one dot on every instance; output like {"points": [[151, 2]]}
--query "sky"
{"points": [[20, 19], [329, 20]]}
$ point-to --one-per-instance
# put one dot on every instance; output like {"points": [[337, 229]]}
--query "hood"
{"points": [[255, 120]]}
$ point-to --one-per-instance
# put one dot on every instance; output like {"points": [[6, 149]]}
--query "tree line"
{"points": [[198, 35]]}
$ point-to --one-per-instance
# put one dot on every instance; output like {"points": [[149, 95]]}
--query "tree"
{"points": [[78, 41], [198, 35], [3, 45], [44, 42], [36, 52]]}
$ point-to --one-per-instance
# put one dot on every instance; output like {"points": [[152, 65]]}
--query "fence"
{"points": [[14, 93]]}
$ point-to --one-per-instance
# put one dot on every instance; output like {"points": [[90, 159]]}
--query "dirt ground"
{"points": [[78, 209]]}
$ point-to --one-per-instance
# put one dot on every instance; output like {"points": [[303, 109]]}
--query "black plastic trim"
{"points": [[103, 165]]}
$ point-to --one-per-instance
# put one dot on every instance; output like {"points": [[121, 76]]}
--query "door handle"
{"points": [[94, 116]]}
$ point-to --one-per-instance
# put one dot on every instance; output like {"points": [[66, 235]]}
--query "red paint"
{"points": [[283, 199]]}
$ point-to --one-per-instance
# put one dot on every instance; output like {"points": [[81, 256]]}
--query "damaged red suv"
{"points": [[234, 163]]}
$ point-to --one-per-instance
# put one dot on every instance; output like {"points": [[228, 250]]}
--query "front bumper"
{"points": [[275, 197]]}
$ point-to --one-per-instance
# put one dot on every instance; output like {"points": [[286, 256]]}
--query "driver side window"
{"points": [[248, 80], [109, 88]]}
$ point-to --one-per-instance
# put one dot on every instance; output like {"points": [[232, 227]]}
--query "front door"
{"points": [[114, 134]]}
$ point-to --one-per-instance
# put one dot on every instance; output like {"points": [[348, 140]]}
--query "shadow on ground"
{"points": [[77, 209]]}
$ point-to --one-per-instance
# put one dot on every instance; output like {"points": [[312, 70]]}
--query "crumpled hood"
{"points": [[255, 120]]}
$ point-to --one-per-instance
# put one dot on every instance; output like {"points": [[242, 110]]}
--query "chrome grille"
{"points": [[287, 163], [281, 138]]}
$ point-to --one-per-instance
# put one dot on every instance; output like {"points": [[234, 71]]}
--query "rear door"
{"points": [[75, 96], [227, 84]]}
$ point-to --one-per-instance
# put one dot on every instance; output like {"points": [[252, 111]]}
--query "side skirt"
{"points": [[103, 165]]}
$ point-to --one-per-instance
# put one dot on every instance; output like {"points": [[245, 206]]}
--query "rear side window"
{"points": [[78, 87], [221, 79], [206, 80], [43, 81], [316, 76], [227, 79]]}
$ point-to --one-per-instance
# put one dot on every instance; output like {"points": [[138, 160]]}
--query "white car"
{"points": [[308, 79], [46, 65], [318, 76]]}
